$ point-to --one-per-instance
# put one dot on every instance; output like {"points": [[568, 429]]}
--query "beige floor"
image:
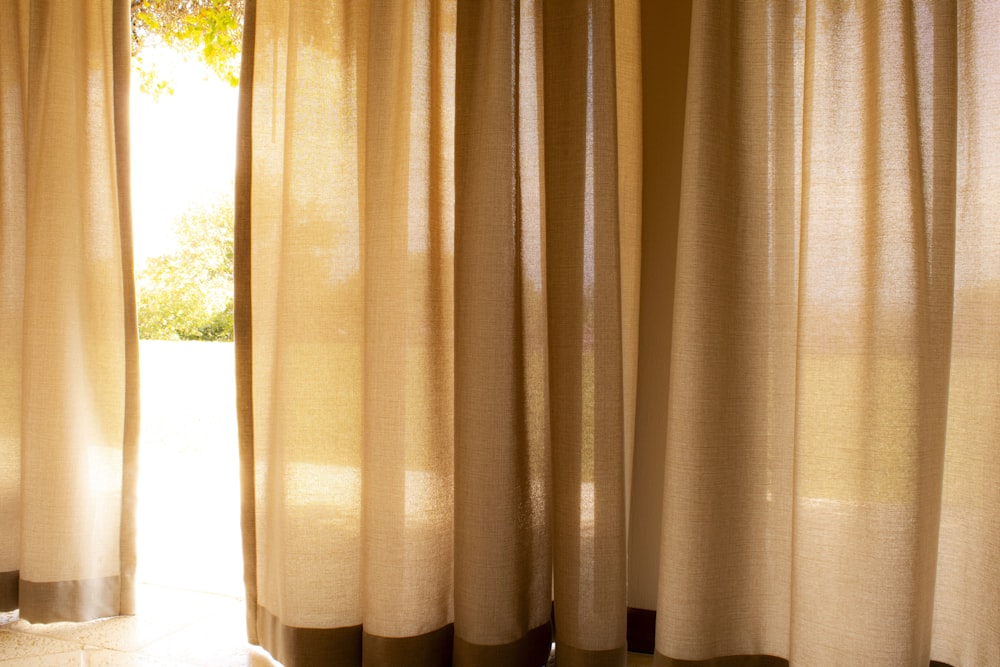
{"points": [[173, 628]]}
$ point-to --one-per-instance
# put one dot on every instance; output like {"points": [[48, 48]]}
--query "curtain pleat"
{"points": [[583, 266], [13, 77], [503, 581], [69, 411], [243, 319], [727, 481], [966, 614], [498, 260]]}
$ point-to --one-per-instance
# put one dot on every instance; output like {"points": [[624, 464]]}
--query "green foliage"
{"points": [[210, 29], [188, 294]]}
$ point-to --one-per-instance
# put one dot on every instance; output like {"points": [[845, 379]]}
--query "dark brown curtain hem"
{"points": [[642, 638], [8, 591], [571, 656], [242, 321], [351, 646], [532, 650], [303, 647], [427, 650], [660, 660], [76, 601]]}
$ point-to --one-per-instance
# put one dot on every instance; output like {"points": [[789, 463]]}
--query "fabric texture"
{"points": [[473, 421], [818, 420], [68, 410]]}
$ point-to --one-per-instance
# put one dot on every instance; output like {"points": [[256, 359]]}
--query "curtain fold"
{"points": [[410, 300], [503, 484], [69, 411], [455, 370], [727, 482], [967, 586]]}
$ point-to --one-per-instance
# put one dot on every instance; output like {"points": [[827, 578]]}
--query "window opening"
{"points": [[183, 136]]}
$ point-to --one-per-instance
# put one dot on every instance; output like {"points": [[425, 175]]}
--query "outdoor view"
{"points": [[183, 122]]}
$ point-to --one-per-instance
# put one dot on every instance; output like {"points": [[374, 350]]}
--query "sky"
{"points": [[183, 148]]}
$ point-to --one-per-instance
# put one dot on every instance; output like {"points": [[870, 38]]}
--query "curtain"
{"points": [[834, 339], [68, 411], [474, 422]]}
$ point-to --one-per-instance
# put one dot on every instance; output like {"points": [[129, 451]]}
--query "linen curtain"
{"points": [[834, 367], [68, 376], [472, 422]]}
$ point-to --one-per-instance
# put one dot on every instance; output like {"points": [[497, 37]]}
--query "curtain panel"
{"points": [[68, 376], [438, 429], [473, 422]]}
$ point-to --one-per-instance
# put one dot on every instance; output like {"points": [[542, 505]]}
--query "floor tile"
{"points": [[106, 658], [125, 633], [23, 645], [261, 658], [71, 659], [216, 641]]}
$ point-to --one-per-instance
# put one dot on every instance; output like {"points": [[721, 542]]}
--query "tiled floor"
{"points": [[173, 628]]}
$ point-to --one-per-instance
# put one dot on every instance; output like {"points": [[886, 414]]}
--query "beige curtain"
{"points": [[471, 424], [68, 378], [438, 351]]}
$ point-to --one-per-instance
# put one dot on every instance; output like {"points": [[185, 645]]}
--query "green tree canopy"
{"points": [[210, 29], [188, 294]]}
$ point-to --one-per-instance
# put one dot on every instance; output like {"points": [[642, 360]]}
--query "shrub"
{"points": [[188, 294]]}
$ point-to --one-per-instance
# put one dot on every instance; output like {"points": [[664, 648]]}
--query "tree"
{"points": [[211, 29], [188, 294]]}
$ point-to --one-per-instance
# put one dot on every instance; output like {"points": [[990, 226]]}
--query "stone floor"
{"points": [[172, 628]]}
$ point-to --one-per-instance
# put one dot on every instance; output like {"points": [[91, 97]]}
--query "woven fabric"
{"points": [[549, 309], [68, 408]]}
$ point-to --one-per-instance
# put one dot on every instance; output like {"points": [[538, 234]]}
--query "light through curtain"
{"points": [[445, 347], [829, 489], [411, 304], [68, 411]]}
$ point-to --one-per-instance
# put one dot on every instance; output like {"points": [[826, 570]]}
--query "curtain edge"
{"points": [[243, 319], [122, 65]]}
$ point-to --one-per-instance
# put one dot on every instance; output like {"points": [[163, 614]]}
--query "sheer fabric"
{"points": [[67, 409], [826, 407], [453, 378], [408, 276]]}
